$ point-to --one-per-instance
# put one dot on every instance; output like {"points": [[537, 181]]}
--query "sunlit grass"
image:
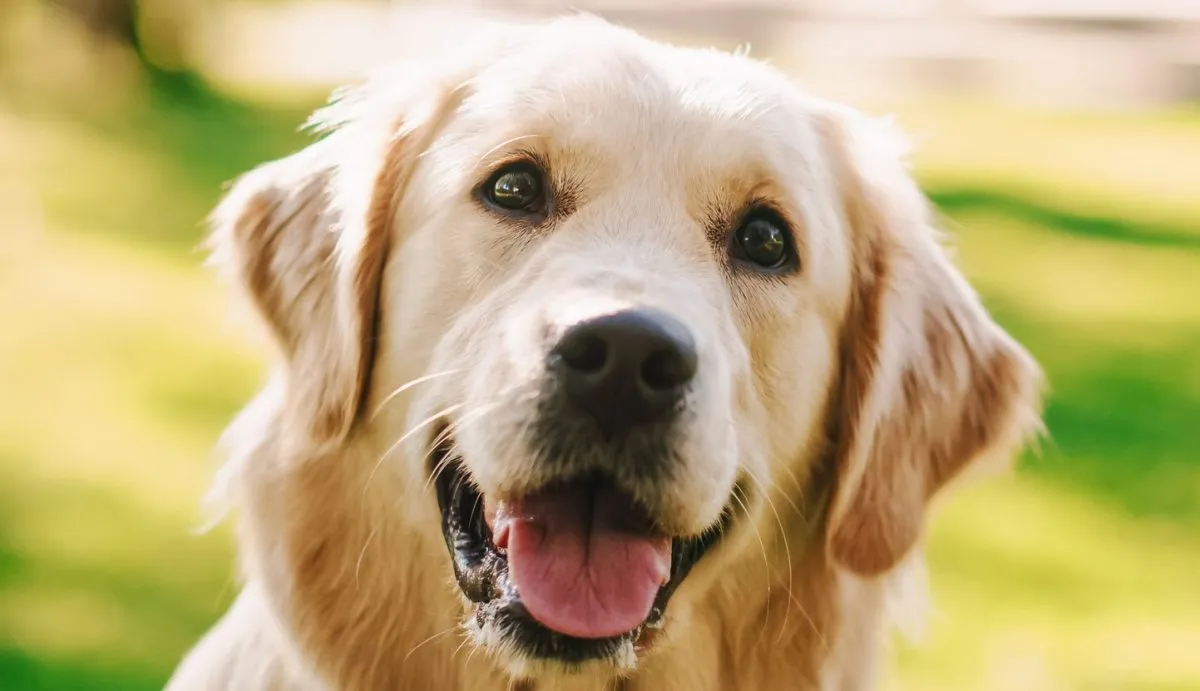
{"points": [[1137, 166], [1079, 571], [120, 376], [120, 365], [1037, 587]]}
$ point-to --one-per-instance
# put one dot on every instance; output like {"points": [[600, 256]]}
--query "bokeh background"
{"points": [[1061, 139]]}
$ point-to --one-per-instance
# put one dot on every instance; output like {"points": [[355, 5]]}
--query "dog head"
{"points": [[592, 303]]}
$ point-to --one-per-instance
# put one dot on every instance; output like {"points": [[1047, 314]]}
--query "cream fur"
{"points": [[849, 394]]}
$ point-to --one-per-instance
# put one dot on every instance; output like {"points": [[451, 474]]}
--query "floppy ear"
{"points": [[306, 237], [929, 382]]}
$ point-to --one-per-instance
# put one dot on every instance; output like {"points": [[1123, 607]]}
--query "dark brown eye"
{"points": [[763, 240], [516, 187]]}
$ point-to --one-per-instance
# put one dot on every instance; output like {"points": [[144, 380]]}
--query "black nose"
{"points": [[625, 368]]}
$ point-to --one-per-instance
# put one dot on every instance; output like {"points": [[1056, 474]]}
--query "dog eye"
{"points": [[516, 187], [763, 240]]}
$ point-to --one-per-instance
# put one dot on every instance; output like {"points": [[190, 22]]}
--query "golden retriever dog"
{"points": [[605, 364]]}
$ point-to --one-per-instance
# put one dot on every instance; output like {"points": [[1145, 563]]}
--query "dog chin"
{"points": [[519, 664]]}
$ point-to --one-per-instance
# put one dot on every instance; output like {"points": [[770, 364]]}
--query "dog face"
{"points": [[631, 235], [596, 302]]}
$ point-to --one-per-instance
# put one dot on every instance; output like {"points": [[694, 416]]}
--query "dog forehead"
{"points": [[589, 82]]}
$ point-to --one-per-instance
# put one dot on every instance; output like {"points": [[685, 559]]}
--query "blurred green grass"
{"points": [[121, 365]]}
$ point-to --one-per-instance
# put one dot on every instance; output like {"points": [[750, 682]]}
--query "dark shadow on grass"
{"points": [[20, 671], [218, 137], [955, 200]]}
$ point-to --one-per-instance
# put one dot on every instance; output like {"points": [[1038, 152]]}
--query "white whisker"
{"points": [[812, 624], [408, 385], [362, 553], [446, 433], [505, 143], [427, 640], [792, 599], [786, 548], [404, 437], [799, 492], [766, 560], [465, 641]]}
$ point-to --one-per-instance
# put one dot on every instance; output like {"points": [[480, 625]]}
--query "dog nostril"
{"points": [[586, 353], [665, 370]]}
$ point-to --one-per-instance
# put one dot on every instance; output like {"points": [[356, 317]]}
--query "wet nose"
{"points": [[626, 368]]}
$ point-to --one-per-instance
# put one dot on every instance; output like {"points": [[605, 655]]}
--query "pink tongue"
{"points": [[578, 565]]}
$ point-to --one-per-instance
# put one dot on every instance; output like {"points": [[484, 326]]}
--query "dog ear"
{"points": [[929, 383], [305, 238]]}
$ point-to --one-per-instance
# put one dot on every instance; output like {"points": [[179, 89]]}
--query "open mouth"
{"points": [[573, 572]]}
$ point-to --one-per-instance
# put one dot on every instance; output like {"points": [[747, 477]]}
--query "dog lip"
{"points": [[500, 535], [477, 545]]}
